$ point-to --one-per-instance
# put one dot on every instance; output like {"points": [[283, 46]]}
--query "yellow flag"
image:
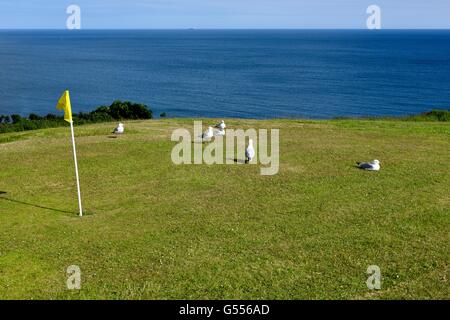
{"points": [[64, 104]]}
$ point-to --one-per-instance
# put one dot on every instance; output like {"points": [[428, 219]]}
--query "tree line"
{"points": [[118, 110]]}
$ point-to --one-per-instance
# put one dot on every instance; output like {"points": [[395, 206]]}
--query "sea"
{"points": [[313, 74]]}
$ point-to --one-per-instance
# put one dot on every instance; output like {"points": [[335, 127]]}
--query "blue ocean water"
{"points": [[229, 73]]}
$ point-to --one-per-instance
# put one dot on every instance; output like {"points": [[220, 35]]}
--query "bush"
{"points": [[15, 118], [163, 115], [118, 110], [434, 115], [50, 117], [127, 110], [440, 115], [4, 119], [34, 117]]}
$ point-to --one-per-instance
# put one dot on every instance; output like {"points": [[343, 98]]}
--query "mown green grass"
{"points": [[154, 230]]}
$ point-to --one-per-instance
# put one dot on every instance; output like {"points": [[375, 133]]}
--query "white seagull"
{"points": [[120, 129], [221, 125], [249, 152], [208, 134], [371, 166]]}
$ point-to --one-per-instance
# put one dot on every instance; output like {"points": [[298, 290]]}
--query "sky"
{"points": [[211, 14]]}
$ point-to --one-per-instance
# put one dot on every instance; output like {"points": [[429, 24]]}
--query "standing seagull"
{"points": [[221, 125], [119, 130], [208, 134], [249, 152], [371, 166]]}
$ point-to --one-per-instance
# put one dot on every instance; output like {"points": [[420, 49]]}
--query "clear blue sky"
{"points": [[143, 14]]}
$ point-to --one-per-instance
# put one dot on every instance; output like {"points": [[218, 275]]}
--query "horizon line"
{"points": [[233, 28]]}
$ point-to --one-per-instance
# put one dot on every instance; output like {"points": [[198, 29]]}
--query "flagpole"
{"points": [[76, 168]]}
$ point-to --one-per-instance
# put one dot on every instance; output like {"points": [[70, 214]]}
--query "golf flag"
{"points": [[64, 104]]}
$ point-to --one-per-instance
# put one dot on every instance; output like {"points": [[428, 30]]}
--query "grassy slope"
{"points": [[156, 230]]}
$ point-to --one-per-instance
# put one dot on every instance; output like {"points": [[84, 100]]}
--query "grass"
{"points": [[154, 230]]}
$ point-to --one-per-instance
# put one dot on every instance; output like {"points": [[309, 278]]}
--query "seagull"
{"points": [[371, 166], [208, 134], [221, 125], [120, 129], [249, 152]]}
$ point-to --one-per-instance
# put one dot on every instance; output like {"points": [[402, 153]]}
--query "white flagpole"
{"points": [[76, 168]]}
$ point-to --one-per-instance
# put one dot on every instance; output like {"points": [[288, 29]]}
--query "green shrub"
{"points": [[34, 117], [441, 115], [4, 119], [434, 115], [15, 118], [118, 110], [51, 117], [128, 110]]}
